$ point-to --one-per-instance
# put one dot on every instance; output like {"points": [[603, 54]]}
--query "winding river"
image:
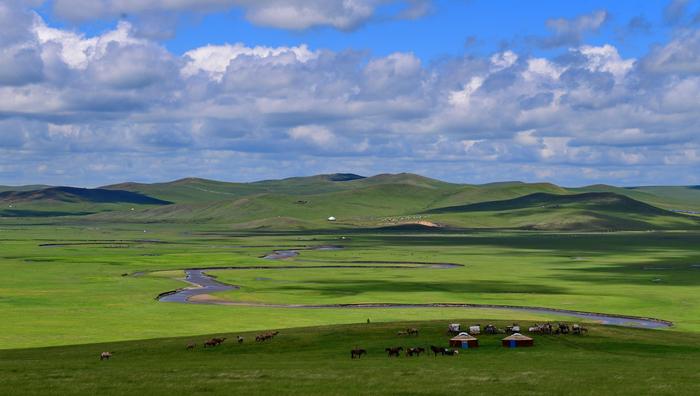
{"points": [[204, 284]]}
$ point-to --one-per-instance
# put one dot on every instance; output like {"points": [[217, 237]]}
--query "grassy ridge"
{"points": [[311, 361], [377, 201]]}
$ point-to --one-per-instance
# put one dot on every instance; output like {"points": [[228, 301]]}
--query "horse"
{"points": [[396, 351], [105, 355], [190, 346], [357, 352], [262, 337], [437, 350], [412, 331], [451, 352], [218, 340], [578, 329], [239, 339], [210, 343], [564, 328], [414, 351]]}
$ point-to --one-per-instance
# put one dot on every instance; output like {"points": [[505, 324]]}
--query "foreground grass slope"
{"points": [[315, 361]]}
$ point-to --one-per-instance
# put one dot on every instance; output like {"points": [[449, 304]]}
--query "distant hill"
{"points": [[585, 211], [76, 195], [23, 188], [67, 201], [388, 201]]}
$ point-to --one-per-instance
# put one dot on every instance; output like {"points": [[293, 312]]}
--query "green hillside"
{"points": [[66, 201], [386, 200], [586, 211]]}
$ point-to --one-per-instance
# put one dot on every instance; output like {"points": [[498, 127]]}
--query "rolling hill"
{"points": [[603, 211], [386, 200], [66, 201]]}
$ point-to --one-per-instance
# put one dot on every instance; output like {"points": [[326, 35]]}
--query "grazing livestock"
{"points": [[490, 329], [564, 328], [266, 336], [578, 329], [105, 355], [437, 350], [515, 328], [190, 346], [451, 352], [357, 352], [541, 329], [396, 351], [239, 339], [401, 333], [414, 351]]}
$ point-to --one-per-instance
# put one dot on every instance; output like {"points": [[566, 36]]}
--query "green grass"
{"points": [[304, 203], [76, 293], [310, 361]]}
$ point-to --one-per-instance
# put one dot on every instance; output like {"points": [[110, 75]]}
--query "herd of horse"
{"points": [[546, 328], [414, 351], [266, 336]]}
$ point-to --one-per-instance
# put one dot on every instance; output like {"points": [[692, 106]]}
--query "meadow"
{"points": [[82, 283], [86, 284], [316, 361]]}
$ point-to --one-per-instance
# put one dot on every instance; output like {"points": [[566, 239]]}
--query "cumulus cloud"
{"points": [[283, 14], [118, 106], [571, 31]]}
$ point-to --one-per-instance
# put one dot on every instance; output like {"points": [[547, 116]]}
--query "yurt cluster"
{"points": [[513, 339]]}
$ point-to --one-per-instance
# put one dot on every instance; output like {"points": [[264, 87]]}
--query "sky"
{"points": [[95, 92]]}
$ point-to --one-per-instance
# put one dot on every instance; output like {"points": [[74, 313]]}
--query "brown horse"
{"points": [[414, 351], [357, 352], [210, 343], [396, 351]]}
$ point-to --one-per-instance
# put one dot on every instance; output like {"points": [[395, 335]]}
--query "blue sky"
{"points": [[100, 91]]}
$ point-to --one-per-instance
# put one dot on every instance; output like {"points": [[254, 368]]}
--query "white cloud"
{"points": [[318, 135], [73, 100], [283, 14], [571, 31], [214, 59]]}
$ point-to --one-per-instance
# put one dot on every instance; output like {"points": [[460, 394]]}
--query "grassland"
{"points": [[73, 291], [311, 361], [81, 274]]}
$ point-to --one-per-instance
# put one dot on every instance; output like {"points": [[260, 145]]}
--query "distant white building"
{"points": [[332, 218]]}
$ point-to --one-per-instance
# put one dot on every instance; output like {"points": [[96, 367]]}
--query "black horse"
{"points": [[394, 351], [414, 351], [357, 352], [437, 350]]}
